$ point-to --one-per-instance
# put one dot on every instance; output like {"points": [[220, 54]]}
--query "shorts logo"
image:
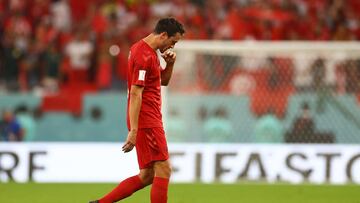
{"points": [[142, 75]]}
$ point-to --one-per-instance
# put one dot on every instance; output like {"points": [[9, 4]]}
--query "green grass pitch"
{"points": [[185, 193]]}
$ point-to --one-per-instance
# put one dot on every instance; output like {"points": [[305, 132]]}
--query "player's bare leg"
{"points": [[129, 186], [162, 169], [159, 188], [147, 176]]}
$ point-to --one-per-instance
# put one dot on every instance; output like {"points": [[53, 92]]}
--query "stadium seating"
{"points": [[335, 118]]}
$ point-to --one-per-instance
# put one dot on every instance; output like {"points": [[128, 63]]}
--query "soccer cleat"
{"points": [[96, 201]]}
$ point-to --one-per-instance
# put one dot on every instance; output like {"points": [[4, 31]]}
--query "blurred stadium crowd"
{"points": [[51, 43]]}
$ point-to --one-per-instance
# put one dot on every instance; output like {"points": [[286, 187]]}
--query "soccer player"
{"points": [[144, 119]]}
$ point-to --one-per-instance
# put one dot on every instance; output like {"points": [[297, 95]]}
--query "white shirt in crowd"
{"points": [[79, 54], [61, 15]]}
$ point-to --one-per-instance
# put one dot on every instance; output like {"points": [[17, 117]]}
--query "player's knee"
{"points": [[164, 171], [147, 178], [168, 171]]}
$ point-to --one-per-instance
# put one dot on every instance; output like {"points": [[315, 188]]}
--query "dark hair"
{"points": [[169, 25], [96, 113], [22, 108], [305, 106]]}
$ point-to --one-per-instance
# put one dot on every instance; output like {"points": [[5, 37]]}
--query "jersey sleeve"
{"points": [[140, 71]]}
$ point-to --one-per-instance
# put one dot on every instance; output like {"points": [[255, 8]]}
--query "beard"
{"points": [[162, 50]]}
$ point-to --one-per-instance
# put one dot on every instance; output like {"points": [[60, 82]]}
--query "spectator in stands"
{"points": [[202, 114], [38, 10], [9, 59], [3, 14], [61, 16], [19, 27], [303, 127], [274, 79], [216, 70], [96, 113], [99, 20], [51, 63], [352, 75], [325, 92], [30, 68], [104, 68], [218, 128], [27, 122], [79, 50], [268, 129], [320, 86], [10, 129], [342, 33], [318, 73]]}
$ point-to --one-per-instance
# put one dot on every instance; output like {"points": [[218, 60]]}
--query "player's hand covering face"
{"points": [[130, 142], [169, 56]]}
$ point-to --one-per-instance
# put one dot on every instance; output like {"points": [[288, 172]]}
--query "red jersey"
{"points": [[144, 70]]}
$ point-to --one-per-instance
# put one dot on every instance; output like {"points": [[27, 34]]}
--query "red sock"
{"points": [[124, 189], [159, 190]]}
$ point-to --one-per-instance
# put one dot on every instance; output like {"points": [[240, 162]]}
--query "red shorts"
{"points": [[151, 146]]}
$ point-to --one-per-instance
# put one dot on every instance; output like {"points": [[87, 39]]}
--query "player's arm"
{"points": [[170, 58], [135, 95]]}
